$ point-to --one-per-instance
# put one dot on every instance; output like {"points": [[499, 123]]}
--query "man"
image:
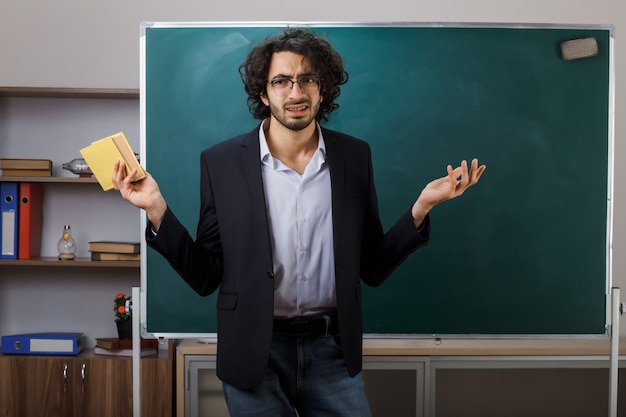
{"points": [[288, 229]]}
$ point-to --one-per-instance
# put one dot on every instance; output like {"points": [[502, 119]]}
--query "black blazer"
{"points": [[232, 250]]}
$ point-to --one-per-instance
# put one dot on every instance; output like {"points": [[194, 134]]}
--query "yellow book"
{"points": [[101, 155]]}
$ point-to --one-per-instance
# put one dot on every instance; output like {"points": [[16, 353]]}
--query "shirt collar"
{"points": [[266, 157]]}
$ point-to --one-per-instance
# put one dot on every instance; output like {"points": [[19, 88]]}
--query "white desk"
{"points": [[427, 377]]}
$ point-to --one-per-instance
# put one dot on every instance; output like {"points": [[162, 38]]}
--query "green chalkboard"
{"points": [[525, 252]]}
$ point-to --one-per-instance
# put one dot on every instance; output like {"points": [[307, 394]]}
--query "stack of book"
{"points": [[112, 346], [23, 167], [114, 251]]}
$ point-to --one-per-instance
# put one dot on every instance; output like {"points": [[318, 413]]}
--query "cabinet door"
{"points": [[8, 396], [106, 389], [157, 387], [35, 386]]}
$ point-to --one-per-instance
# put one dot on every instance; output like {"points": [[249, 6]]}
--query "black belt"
{"points": [[322, 324]]}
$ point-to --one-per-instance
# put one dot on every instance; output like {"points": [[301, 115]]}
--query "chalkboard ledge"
{"points": [[591, 346], [594, 345]]}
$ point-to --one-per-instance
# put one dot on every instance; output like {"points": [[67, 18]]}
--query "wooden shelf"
{"points": [[163, 354], [52, 262], [52, 92], [54, 180]]}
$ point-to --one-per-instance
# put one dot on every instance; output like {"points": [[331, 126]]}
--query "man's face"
{"points": [[294, 106]]}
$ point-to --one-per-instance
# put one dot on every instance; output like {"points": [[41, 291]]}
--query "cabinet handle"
{"points": [[83, 374], [64, 377]]}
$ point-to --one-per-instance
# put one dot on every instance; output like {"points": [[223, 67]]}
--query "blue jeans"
{"points": [[304, 374]]}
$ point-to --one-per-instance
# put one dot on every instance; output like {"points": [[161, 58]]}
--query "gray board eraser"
{"points": [[579, 48]]}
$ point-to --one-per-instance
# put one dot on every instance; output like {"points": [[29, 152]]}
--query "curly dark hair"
{"points": [[323, 58]]}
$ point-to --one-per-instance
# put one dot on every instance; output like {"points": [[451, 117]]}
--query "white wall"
{"points": [[83, 43]]}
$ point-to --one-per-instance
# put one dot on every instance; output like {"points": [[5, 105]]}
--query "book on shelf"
{"points": [[25, 163], [117, 343], [110, 256], [26, 173], [102, 154], [114, 247], [150, 351]]}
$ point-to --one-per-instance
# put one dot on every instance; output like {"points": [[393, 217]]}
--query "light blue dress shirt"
{"points": [[299, 208]]}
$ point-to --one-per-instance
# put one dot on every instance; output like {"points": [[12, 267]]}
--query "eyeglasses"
{"points": [[283, 86]]}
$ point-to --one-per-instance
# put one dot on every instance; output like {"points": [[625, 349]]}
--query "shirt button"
{"points": [[270, 274]]}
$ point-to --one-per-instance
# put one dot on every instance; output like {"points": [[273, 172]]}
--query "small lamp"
{"points": [[66, 245]]}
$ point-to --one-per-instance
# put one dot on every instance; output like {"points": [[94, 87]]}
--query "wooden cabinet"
{"points": [[82, 386]]}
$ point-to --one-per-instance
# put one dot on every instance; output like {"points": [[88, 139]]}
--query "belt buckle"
{"points": [[298, 328]]}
